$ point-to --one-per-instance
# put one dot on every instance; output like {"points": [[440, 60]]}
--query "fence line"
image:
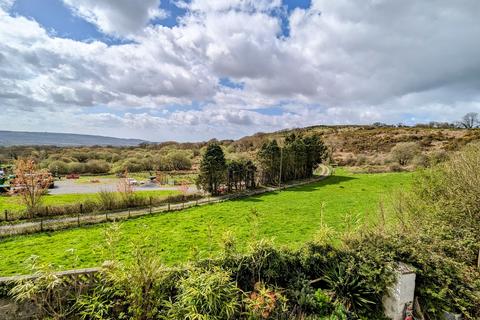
{"points": [[79, 220]]}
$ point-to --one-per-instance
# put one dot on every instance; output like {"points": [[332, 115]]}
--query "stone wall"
{"points": [[13, 310]]}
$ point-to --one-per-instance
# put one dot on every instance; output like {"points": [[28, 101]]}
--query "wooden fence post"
{"points": [[6, 215], [150, 200], [168, 206], [478, 262], [41, 224]]}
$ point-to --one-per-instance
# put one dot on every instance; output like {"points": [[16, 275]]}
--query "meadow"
{"points": [[14, 203], [290, 217]]}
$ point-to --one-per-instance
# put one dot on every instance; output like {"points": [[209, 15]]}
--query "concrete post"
{"points": [[401, 293], [452, 316]]}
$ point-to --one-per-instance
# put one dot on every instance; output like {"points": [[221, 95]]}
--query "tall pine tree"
{"points": [[212, 169]]}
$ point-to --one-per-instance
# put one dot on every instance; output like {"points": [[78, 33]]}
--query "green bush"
{"points": [[442, 283], [76, 167], [206, 294], [97, 166], [59, 167], [266, 283], [404, 152]]}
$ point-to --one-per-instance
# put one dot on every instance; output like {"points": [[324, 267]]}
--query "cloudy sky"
{"points": [[194, 70]]}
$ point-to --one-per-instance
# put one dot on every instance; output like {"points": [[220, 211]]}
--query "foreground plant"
{"points": [[206, 294], [265, 303]]}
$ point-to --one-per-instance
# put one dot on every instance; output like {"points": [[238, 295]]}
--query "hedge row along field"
{"points": [[290, 217]]}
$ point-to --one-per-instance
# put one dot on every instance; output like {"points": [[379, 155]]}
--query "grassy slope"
{"points": [[290, 217], [13, 203]]}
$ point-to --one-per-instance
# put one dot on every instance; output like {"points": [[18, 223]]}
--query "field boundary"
{"points": [[88, 219]]}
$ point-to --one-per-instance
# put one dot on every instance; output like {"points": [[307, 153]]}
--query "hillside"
{"points": [[356, 144], [366, 147], [17, 138]]}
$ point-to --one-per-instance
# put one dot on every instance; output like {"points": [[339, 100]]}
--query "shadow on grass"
{"points": [[317, 185], [314, 186], [252, 199]]}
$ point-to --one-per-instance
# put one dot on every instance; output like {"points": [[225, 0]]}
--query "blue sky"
{"points": [[200, 69], [56, 17]]}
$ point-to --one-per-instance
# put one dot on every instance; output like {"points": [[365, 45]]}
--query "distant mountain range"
{"points": [[17, 138]]}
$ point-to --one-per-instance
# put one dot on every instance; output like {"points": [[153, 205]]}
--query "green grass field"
{"points": [[290, 217], [14, 203]]}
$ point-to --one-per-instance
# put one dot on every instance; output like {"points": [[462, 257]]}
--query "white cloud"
{"points": [[6, 4], [343, 62], [117, 17], [240, 5]]}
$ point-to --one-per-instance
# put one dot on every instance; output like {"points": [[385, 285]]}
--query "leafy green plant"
{"points": [[99, 303], [348, 288], [310, 301], [205, 294], [53, 296]]}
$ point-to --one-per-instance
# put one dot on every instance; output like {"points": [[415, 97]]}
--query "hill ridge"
{"points": [[31, 138]]}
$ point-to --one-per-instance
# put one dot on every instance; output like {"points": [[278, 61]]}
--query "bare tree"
{"points": [[470, 120], [30, 183]]}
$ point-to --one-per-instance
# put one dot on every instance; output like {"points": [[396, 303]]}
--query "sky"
{"points": [[200, 69]]}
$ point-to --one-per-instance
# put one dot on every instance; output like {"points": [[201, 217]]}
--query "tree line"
{"points": [[218, 174], [296, 159]]}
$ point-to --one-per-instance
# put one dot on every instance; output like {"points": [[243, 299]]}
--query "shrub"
{"points": [[348, 288], [443, 283], [206, 294], [76, 167], [420, 161], [58, 167], [107, 200], [264, 283], [179, 161], [438, 233], [97, 166], [264, 303], [394, 167], [131, 165], [438, 157], [361, 160], [404, 152]]}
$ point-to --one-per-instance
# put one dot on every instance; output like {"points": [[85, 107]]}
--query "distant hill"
{"points": [[17, 138]]}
